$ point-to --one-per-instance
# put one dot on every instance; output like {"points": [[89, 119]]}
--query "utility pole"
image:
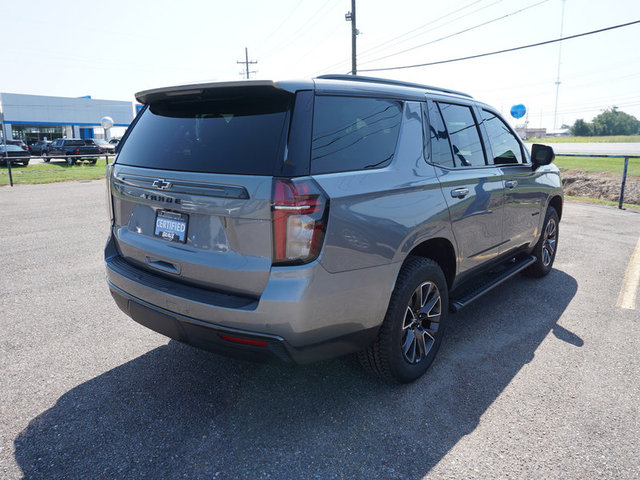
{"points": [[555, 110], [351, 17], [247, 62]]}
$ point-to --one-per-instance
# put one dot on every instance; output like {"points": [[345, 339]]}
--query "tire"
{"points": [[45, 157], [25, 163], [93, 161], [547, 246], [406, 345], [71, 161]]}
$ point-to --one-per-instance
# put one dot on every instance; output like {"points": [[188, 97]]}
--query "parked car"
{"points": [[15, 152], [40, 148], [19, 143], [307, 220], [103, 145], [70, 148]]}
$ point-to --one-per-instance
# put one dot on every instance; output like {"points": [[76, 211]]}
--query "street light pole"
{"points": [[351, 17]]}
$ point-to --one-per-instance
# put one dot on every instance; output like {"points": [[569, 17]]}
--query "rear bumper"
{"points": [[305, 314]]}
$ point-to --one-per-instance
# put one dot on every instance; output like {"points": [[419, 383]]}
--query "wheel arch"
{"points": [[556, 202], [441, 251]]}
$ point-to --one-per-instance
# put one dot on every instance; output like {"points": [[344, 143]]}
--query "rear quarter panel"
{"points": [[377, 216]]}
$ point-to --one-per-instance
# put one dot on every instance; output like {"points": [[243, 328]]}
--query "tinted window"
{"points": [[353, 133], [506, 148], [463, 134], [74, 143], [11, 148], [240, 134], [439, 139]]}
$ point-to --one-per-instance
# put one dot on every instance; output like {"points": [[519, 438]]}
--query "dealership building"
{"points": [[36, 117]]}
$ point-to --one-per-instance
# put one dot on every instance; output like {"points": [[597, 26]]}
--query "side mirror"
{"points": [[541, 155]]}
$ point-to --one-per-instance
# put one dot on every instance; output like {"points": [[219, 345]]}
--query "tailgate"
{"points": [[208, 230], [192, 183]]}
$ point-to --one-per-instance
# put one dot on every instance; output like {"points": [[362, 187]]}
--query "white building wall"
{"points": [[39, 109]]}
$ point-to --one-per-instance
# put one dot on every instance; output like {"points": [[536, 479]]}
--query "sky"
{"points": [[110, 50]]}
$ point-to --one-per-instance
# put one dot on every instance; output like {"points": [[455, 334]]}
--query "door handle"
{"points": [[164, 266], [511, 184], [459, 192]]}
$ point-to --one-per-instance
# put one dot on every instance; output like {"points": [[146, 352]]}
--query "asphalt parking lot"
{"points": [[538, 379]]}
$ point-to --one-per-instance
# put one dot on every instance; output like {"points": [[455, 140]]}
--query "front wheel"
{"points": [[547, 246], [413, 327]]}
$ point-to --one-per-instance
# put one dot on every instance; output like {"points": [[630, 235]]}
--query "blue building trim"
{"points": [[62, 124], [86, 133]]}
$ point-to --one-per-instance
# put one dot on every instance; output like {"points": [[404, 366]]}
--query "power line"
{"points": [[302, 29], [457, 33], [385, 45], [277, 29], [470, 57]]}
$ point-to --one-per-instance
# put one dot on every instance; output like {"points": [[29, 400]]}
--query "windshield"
{"points": [[242, 134]]}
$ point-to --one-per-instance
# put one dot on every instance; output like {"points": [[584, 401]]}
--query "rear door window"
{"points": [[241, 134], [439, 139], [506, 148], [353, 133], [463, 134]]}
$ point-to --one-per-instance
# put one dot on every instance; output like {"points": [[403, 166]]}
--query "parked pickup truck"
{"points": [[70, 148]]}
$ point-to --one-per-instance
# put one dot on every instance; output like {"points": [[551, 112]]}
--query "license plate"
{"points": [[171, 226]]}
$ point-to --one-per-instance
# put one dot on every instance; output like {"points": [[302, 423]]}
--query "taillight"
{"points": [[77, 151], [300, 210], [109, 200]]}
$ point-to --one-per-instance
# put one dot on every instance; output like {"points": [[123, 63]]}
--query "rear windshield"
{"points": [[237, 135]]}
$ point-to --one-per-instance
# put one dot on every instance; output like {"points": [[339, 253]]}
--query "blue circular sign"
{"points": [[518, 111]]}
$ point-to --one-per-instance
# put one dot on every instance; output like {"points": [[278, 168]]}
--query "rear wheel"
{"points": [[547, 246], [70, 161], [93, 161], [413, 327], [25, 163]]}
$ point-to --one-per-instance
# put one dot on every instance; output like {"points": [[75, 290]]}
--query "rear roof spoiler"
{"points": [[196, 90]]}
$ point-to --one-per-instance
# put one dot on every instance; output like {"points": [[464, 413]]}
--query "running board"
{"points": [[468, 296]]}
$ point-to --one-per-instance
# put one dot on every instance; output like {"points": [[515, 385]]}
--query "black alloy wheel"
{"points": [[413, 326], [547, 246]]}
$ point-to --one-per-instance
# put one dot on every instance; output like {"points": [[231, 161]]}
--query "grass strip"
{"points": [[603, 202], [595, 164], [54, 171], [603, 139]]}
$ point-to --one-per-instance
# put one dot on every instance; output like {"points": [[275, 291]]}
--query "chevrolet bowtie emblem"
{"points": [[161, 184]]}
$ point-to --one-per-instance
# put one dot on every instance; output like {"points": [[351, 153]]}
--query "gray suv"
{"points": [[307, 220]]}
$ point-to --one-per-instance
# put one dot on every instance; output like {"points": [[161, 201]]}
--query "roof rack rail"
{"points": [[358, 78]]}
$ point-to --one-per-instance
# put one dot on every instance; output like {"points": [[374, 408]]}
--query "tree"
{"points": [[614, 122], [610, 122], [581, 128]]}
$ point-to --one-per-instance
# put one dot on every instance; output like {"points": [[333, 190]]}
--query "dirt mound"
{"points": [[601, 185]]}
